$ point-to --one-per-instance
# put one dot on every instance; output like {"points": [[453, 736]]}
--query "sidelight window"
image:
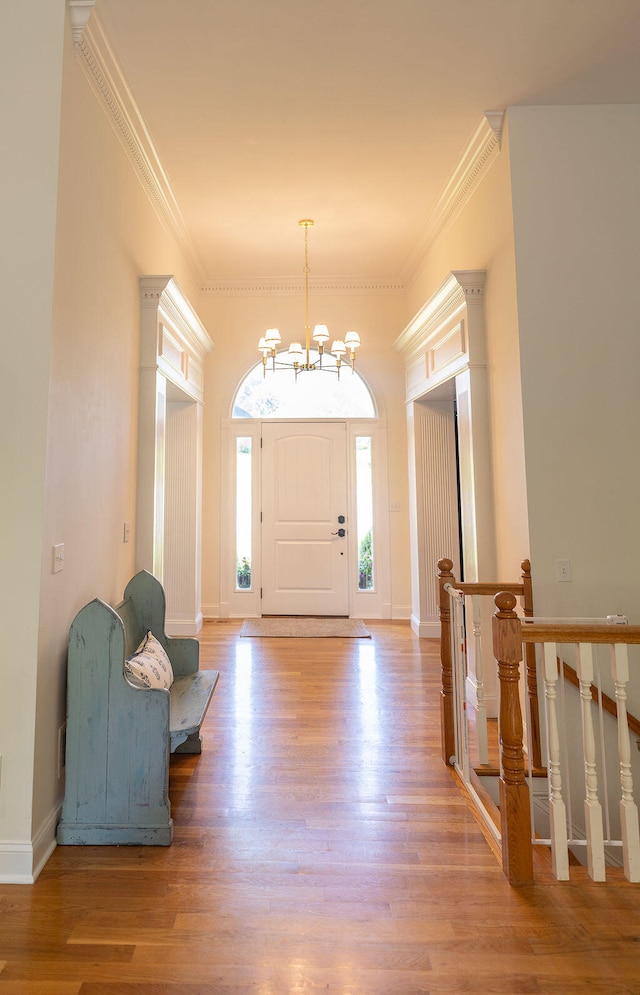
{"points": [[364, 498], [243, 514]]}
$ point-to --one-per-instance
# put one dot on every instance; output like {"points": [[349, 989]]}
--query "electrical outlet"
{"points": [[62, 748], [126, 530], [58, 558]]}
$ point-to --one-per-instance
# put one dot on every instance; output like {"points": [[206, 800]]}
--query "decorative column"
{"points": [[173, 347]]}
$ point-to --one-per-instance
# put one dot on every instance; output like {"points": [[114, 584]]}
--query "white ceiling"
{"points": [[351, 112]]}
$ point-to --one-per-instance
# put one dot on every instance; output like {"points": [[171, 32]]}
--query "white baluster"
{"points": [[592, 807], [459, 667], [557, 811], [628, 808], [481, 708]]}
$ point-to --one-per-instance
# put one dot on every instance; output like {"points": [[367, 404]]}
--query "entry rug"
{"points": [[305, 627]]}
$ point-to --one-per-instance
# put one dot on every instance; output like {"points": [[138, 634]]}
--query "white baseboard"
{"points": [[183, 627], [490, 700], [399, 612], [211, 611], [425, 630], [21, 862]]}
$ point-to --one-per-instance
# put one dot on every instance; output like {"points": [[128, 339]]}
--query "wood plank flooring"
{"points": [[320, 846]]}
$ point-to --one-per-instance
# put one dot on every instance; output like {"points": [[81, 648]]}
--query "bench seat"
{"points": [[189, 700], [119, 736]]}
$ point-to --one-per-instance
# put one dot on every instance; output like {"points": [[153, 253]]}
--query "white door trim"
{"points": [[246, 604]]}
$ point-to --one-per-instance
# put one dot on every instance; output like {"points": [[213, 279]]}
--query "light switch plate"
{"points": [[58, 558]]}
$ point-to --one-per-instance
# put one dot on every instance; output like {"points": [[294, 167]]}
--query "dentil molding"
{"points": [[106, 78], [481, 151], [110, 87], [284, 286]]}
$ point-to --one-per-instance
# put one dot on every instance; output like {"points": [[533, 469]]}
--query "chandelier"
{"points": [[343, 351]]}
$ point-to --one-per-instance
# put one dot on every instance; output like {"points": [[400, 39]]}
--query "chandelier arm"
{"points": [[268, 345]]}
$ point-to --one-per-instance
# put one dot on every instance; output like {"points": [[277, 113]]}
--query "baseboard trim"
{"points": [[21, 863], [399, 612], [425, 630], [182, 627]]}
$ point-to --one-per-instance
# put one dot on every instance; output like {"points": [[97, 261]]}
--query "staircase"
{"points": [[563, 785]]}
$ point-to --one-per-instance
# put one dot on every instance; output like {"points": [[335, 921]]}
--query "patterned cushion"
{"points": [[149, 667]]}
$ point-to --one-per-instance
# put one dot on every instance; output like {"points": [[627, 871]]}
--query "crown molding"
{"points": [[481, 151], [103, 72], [294, 286], [162, 293], [461, 289]]}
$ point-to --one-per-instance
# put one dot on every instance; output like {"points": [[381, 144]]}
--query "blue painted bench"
{"points": [[119, 737]]}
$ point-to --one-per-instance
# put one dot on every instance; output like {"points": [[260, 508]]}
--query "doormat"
{"points": [[305, 627]]}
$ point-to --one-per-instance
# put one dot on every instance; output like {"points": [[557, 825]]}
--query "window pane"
{"points": [[364, 497], [243, 514], [315, 394]]}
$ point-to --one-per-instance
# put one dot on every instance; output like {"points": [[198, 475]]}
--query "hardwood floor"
{"points": [[320, 845]]}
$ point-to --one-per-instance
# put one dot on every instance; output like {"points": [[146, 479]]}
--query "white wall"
{"points": [[69, 430], [31, 79], [481, 238], [577, 244], [236, 323]]}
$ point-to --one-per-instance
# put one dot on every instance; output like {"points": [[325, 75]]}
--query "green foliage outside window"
{"points": [[365, 563], [243, 573]]}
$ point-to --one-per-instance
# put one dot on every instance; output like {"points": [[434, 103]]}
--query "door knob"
{"points": [[341, 532]]}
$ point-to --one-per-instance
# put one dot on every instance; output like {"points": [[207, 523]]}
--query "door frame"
{"points": [[362, 604]]}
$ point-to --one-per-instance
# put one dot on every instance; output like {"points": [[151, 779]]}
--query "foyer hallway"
{"points": [[320, 845]]}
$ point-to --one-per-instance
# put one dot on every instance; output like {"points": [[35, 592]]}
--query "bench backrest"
{"points": [[134, 632]]}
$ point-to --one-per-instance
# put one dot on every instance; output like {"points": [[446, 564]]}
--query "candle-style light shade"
{"points": [[352, 341], [301, 357], [321, 334], [272, 338]]}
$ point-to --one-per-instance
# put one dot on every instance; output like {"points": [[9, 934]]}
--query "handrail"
{"points": [[509, 634], [523, 590], [543, 632], [608, 703]]}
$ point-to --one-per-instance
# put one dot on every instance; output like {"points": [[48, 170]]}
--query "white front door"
{"points": [[304, 492]]}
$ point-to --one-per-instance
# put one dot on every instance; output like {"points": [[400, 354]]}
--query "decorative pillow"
{"points": [[149, 667]]}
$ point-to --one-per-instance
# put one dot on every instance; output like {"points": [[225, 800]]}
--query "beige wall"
{"points": [[577, 242], [236, 323], [30, 50], [481, 237], [107, 236]]}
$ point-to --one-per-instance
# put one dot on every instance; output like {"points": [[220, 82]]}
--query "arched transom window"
{"points": [[314, 394]]}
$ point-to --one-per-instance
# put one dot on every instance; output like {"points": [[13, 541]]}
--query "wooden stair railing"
{"points": [[523, 590], [517, 850], [608, 704], [509, 635]]}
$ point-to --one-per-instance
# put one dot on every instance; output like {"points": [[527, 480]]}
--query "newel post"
{"points": [[517, 856], [445, 576], [532, 677]]}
